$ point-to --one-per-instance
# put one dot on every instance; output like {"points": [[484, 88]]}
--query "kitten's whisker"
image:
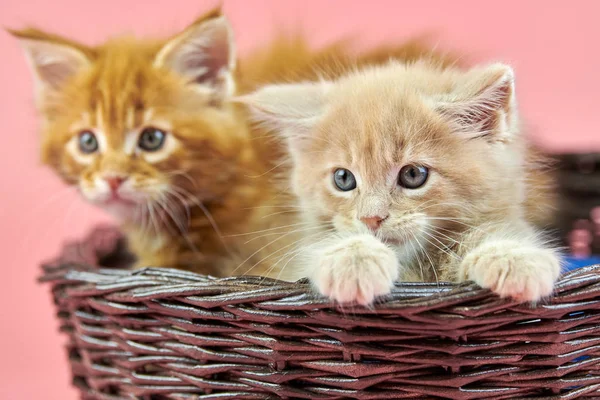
{"points": [[279, 233], [469, 226], [146, 216], [259, 250], [452, 219], [301, 250], [435, 231], [209, 217], [459, 206], [153, 222], [185, 175], [272, 267], [431, 262], [271, 229], [182, 229], [279, 212], [443, 250], [293, 206], [286, 246], [163, 203], [444, 245], [183, 203], [416, 252], [266, 172]]}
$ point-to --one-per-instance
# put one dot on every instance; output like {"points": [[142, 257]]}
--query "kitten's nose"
{"points": [[114, 181], [373, 222]]}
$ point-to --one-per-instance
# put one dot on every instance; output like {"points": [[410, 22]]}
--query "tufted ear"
{"points": [[484, 105], [292, 110], [53, 60], [204, 53]]}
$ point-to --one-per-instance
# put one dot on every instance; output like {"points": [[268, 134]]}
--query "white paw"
{"points": [[511, 269], [356, 269]]}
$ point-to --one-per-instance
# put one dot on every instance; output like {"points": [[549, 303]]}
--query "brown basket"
{"points": [[167, 334]]}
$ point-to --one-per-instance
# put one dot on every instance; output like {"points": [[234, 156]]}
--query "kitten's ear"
{"points": [[484, 104], [292, 110], [53, 60], [204, 53]]}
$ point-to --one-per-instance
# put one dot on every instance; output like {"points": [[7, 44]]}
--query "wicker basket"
{"points": [[166, 334]]}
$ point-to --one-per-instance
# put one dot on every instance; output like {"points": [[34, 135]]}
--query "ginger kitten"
{"points": [[411, 172], [145, 129]]}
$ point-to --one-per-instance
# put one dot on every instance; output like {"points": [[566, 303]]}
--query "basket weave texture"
{"points": [[166, 334]]}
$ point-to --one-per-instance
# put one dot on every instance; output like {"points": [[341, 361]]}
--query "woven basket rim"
{"points": [[158, 282]]}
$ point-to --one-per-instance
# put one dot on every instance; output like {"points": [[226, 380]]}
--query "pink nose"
{"points": [[114, 182], [373, 222]]}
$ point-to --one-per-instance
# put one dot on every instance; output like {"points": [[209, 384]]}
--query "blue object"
{"points": [[572, 263]]}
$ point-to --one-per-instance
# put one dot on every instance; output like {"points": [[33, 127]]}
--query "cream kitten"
{"points": [[422, 174]]}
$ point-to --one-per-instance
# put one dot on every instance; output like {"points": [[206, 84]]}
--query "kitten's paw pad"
{"points": [[357, 269], [524, 273]]}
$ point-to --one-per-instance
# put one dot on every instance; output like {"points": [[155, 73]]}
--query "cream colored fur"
{"points": [[467, 222]]}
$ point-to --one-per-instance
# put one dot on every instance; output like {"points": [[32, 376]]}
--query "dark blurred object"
{"points": [[578, 219], [159, 334]]}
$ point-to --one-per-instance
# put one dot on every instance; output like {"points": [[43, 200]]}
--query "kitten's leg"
{"points": [[356, 268], [511, 260]]}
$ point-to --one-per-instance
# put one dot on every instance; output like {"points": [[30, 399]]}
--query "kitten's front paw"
{"points": [[510, 269], [357, 269]]}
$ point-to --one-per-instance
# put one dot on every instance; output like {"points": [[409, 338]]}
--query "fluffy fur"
{"points": [[468, 221], [205, 200]]}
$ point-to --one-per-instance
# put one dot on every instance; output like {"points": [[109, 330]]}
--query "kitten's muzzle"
{"points": [[114, 182], [373, 222]]}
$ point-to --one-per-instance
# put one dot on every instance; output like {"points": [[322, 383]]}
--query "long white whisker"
{"points": [[299, 251], [279, 232], [181, 228], [431, 262], [442, 248], [266, 172], [260, 249], [209, 217], [294, 243], [183, 203], [278, 228]]}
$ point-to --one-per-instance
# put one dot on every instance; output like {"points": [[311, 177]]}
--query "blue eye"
{"points": [[87, 142], [413, 176], [151, 139], [344, 180]]}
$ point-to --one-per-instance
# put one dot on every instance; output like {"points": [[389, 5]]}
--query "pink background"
{"points": [[552, 44]]}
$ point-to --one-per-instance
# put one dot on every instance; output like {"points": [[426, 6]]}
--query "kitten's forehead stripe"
{"points": [[130, 121]]}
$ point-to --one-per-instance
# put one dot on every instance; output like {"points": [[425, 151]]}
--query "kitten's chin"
{"points": [[121, 210]]}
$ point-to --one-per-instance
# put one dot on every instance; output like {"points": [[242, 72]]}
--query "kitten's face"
{"points": [[130, 122], [390, 176], [395, 152]]}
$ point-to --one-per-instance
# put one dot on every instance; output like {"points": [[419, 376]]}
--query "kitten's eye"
{"points": [[344, 180], [151, 139], [413, 176], [88, 142]]}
